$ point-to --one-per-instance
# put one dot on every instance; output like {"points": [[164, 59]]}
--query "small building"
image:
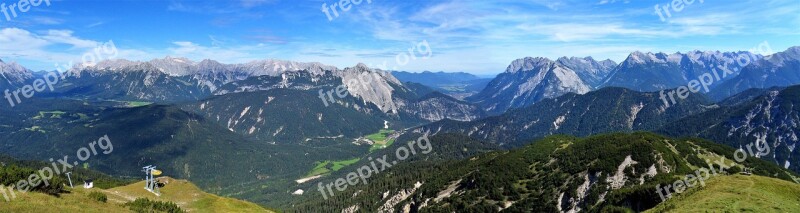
{"points": [[88, 184]]}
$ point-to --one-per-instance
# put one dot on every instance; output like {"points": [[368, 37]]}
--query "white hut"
{"points": [[88, 184]]}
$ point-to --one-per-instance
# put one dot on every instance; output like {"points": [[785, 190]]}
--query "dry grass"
{"points": [[737, 193], [188, 196]]}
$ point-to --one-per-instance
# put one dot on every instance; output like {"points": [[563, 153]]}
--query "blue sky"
{"points": [[476, 36]]}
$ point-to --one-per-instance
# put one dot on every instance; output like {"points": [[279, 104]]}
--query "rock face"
{"points": [[373, 86], [658, 71], [527, 81], [780, 69], [590, 71]]}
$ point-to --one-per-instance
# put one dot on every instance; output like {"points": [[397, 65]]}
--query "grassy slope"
{"points": [[76, 201], [186, 195], [737, 193], [180, 192]]}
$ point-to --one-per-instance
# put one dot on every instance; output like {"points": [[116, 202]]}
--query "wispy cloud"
{"points": [[95, 24], [43, 20], [612, 1], [321, 54], [255, 3]]}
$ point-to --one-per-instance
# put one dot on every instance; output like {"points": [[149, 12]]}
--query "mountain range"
{"points": [[660, 71], [259, 130], [779, 69], [529, 80], [606, 110]]}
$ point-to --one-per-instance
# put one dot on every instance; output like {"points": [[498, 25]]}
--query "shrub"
{"points": [[9, 175], [143, 205], [734, 170], [99, 196]]}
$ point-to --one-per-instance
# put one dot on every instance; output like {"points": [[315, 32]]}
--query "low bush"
{"points": [[144, 205], [99, 196]]}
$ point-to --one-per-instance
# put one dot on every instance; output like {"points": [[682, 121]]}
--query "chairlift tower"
{"points": [[151, 184], [70, 179]]}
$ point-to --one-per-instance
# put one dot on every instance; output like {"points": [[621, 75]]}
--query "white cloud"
{"points": [[15, 39], [66, 37], [46, 49]]}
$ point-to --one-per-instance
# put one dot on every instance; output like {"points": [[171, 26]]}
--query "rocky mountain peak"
{"points": [[590, 71], [209, 63], [792, 53], [528, 64], [795, 50], [608, 62], [174, 66], [362, 66], [12, 67], [13, 73], [638, 57]]}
